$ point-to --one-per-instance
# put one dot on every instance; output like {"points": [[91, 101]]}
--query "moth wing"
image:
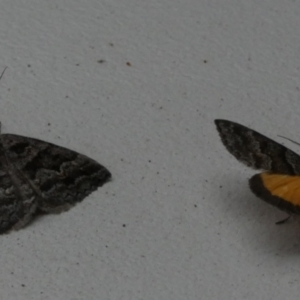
{"points": [[60, 177], [282, 191], [256, 150], [17, 201]]}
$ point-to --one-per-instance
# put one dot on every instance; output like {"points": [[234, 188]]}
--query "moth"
{"points": [[39, 177], [279, 183]]}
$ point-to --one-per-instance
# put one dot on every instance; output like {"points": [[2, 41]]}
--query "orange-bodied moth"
{"points": [[279, 184]]}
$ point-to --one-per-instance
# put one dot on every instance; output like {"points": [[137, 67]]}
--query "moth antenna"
{"points": [[289, 140], [2, 73]]}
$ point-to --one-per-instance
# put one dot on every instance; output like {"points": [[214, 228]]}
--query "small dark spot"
{"points": [[195, 205], [124, 225], [67, 96], [128, 64], [49, 124], [101, 61], [111, 44], [161, 107], [205, 61], [29, 66], [221, 186], [23, 285], [77, 65], [149, 160], [19, 148]]}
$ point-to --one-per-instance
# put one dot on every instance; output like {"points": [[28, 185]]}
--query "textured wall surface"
{"points": [[136, 85]]}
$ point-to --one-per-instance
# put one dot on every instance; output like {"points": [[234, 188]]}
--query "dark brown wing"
{"points": [[256, 150], [59, 176], [18, 201]]}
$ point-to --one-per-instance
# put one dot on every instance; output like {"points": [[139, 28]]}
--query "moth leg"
{"points": [[284, 220]]}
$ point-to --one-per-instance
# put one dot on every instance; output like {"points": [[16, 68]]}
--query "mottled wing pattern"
{"points": [[256, 150], [17, 200], [58, 176]]}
